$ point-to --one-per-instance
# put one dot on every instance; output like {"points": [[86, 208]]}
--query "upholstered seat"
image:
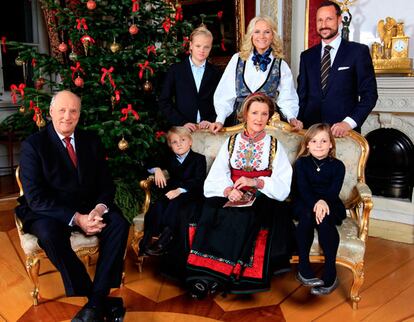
{"points": [[84, 246], [356, 195]]}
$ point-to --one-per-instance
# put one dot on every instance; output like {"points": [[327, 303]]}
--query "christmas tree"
{"points": [[112, 54]]}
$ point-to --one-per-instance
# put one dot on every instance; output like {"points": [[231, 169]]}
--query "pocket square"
{"points": [[343, 68]]}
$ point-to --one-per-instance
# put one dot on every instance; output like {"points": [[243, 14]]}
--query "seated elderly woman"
{"points": [[243, 231]]}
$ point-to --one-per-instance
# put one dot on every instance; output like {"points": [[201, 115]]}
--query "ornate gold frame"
{"points": [[240, 23]]}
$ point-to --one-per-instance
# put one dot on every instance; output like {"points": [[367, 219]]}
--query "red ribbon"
{"points": [[179, 14], [167, 24], [186, 40], [76, 68], [223, 48], [34, 62], [3, 44], [87, 38], [107, 73], [37, 111], [31, 105], [159, 134], [220, 14], [151, 49], [117, 95], [135, 5], [14, 89], [81, 24], [126, 111], [143, 67]]}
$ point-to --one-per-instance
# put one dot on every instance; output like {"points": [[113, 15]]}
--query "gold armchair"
{"points": [[84, 246]]}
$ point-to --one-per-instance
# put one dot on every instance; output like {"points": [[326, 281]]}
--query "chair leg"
{"points": [[33, 268], [358, 272]]}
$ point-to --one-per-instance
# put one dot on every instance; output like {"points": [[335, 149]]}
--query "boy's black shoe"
{"points": [[114, 309], [160, 246]]}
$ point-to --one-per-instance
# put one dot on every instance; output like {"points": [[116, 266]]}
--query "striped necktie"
{"points": [[325, 67]]}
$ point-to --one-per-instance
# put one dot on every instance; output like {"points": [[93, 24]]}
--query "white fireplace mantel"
{"points": [[394, 109]]}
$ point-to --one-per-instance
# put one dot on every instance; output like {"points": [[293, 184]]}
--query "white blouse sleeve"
{"points": [[219, 177], [225, 94], [277, 186], [287, 100]]}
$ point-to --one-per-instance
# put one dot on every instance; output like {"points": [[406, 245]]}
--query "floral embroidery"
{"points": [[249, 155]]}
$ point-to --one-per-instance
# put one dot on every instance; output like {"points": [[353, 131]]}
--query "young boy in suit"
{"points": [[183, 191]]}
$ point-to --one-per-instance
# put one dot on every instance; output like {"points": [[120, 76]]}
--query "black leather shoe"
{"points": [[311, 282], [161, 245], [89, 314], [325, 290], [114, 309], [199, 289]]}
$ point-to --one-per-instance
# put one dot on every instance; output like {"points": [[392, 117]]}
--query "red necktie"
{"points": [[71, 151]]}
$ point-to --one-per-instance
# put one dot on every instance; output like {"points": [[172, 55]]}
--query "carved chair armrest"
{"points": [[362, 209], [146, 186]]}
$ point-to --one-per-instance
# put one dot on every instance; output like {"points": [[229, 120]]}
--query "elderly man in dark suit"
{"points": [[67, 186], [336, 82]]}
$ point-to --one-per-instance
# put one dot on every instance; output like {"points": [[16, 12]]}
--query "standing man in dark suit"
{"points": [[67, 186], [186, 97], [345, 91]]}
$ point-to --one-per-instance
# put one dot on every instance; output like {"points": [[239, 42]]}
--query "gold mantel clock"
{"points": [[399, 47], [391, 56]]}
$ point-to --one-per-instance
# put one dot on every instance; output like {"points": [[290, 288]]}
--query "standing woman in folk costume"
{"points": [[235, 248], [258, 68]]}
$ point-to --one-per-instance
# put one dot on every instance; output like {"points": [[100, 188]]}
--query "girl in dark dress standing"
{"points": [[318, 179]]}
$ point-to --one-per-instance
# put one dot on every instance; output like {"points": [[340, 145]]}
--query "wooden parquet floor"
{"points": [[387, 293]]}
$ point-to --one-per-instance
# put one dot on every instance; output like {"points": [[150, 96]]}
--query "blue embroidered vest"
{"points": [[269, 87]]}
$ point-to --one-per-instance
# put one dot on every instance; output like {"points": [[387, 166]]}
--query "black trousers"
{"points": [[54, 238], [328, 240]]}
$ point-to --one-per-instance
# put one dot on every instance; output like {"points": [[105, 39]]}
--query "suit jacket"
{"points": [[179, 84], [53, 186], [351, 89], [189, 175]]}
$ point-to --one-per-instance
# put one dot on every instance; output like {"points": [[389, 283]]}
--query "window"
{"points": [[27, 28]]}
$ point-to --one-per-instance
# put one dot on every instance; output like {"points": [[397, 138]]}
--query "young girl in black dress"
{"points": [[318, 179]]}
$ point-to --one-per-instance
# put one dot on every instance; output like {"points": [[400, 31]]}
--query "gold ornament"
{"points": [[115, 47], [147, 86], [123, 144], [22, 109], [19, 61]]}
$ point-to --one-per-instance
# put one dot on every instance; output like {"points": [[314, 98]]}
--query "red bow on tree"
{"points": [[14, 89], [179, 13], [167, 24], [144, 67], [159, 134], [81, 24], [135, 5], [220, 14], [117, 95], [151, 49], [107, 73], [76, 68], [126, 111]]}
